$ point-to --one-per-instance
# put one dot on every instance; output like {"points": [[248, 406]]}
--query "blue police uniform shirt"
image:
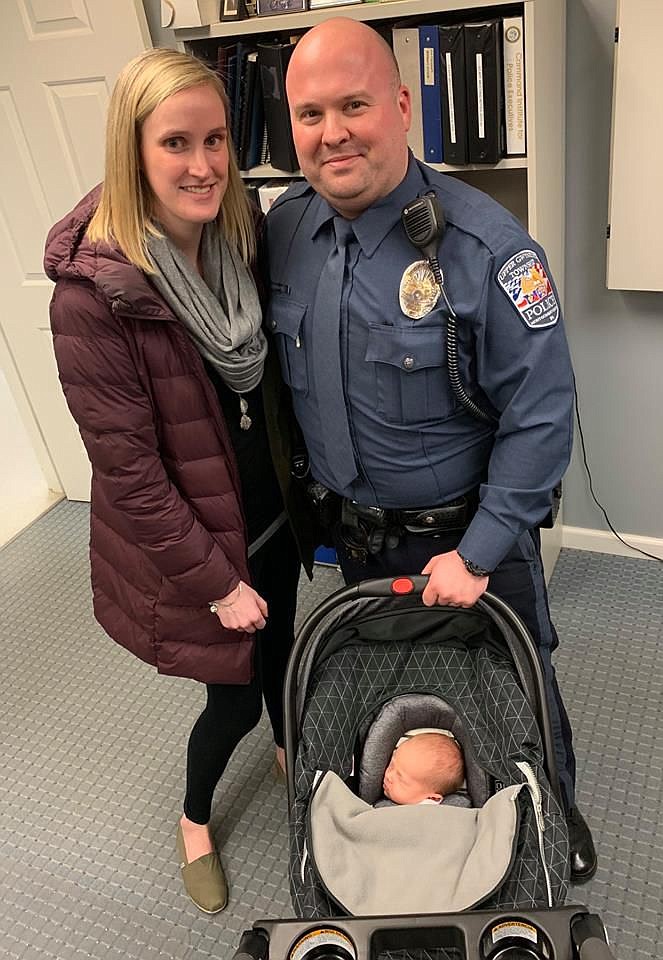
{"points": [[414, 443]]}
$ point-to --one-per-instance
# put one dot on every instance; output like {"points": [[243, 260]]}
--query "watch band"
{"points": [[474, 568]]}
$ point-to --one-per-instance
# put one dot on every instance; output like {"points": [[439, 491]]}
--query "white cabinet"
{"points": [[532, 187], [636, 185]]}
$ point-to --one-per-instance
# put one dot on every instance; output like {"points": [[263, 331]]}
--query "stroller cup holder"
{"points": [[566, 933]]}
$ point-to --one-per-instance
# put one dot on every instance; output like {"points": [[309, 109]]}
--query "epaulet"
{"points": [[295, 191], [474, 212]]}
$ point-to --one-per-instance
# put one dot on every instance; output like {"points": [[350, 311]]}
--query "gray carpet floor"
{"points": [[93, 747]]}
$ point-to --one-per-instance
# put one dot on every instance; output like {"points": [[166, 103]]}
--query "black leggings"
{"points": [[233, 710]]}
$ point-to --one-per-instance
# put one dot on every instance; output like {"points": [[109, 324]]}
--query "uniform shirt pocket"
{"points": [[285, 319], [411, 373]]}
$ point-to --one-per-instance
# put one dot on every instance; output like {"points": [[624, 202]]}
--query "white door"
{"points": [[58, 62]]}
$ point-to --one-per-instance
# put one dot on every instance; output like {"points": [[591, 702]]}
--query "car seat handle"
{"points": [[408, 584]]}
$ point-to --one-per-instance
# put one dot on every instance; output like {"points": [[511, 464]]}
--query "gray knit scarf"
{"points": [[220, 310]]}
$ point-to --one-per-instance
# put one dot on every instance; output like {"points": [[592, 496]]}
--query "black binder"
{"points": [[453, 93], [239, 92], [257, 131], [230, 85], [247, 148], [483, 69], [251, 188], [223, 54], [273, 59]]}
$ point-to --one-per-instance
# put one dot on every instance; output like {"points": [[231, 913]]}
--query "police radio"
{"points": [[424, 225]]}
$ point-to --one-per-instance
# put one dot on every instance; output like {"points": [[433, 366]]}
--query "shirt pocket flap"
{"points": [[285, 316], [412, 349]]}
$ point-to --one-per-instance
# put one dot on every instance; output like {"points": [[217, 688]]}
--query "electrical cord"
{"points": [[652, 556]]}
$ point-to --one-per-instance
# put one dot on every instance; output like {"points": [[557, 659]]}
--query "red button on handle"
{"points": [[402, 585]]}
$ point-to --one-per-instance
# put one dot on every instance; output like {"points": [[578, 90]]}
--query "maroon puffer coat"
{"points": [[167, 532]]}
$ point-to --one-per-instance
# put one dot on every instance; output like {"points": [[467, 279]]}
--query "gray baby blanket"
{"points": [[409, 859]]}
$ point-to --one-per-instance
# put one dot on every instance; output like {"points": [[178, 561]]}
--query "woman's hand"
{"points": [[242, 609]]}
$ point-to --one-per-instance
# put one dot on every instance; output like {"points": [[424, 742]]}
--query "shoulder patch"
{"points": [[525, 282]]}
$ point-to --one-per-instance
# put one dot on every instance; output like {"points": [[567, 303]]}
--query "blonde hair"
{"points": [[440, 761], [123, 215]]}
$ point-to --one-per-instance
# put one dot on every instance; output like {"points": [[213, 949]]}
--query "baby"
{"points": [[424, 768]]}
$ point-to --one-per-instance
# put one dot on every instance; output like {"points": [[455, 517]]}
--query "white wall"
{"points": [[616, 337]]}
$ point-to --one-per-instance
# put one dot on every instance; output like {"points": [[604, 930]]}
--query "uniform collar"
{"points": [[375, 223]]}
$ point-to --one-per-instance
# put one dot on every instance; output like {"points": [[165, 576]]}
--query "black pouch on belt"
{"points": [[326, 504]]}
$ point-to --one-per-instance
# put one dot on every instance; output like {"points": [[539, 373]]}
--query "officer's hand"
{"points": [[450, 583], [243, 609]]}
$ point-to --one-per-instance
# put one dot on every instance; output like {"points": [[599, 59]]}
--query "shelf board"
{"points": [[508, 163], [265, 171], [292, 22]]}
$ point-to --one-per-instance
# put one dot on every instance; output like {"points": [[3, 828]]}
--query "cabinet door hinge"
{"points": [[616, 34], [607, 232]]}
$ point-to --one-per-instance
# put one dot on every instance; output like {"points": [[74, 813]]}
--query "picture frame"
{"points": [[233, 10], [269, 8]]}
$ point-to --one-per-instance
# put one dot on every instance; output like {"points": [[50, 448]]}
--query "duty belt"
{"points": [[449, 516], [368, 530]]}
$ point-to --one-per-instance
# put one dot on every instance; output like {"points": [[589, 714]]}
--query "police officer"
{"points": [[360, 326]]}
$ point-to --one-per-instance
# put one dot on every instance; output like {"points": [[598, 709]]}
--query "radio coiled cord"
{"points": [[452, 351]]}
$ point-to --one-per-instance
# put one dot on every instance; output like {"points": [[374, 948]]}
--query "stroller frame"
{"points": [[572, 932]]}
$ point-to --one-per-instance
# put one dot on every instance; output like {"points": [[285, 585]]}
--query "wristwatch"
{"points": [[474, 568]]}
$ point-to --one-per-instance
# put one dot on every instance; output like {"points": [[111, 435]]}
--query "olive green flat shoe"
{"points": [[203, 878]]}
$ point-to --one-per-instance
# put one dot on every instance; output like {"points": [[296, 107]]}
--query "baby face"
{"points": [[403, 779]]}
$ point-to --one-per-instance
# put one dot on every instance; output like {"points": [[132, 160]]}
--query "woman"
{"points": [[161, 354]]}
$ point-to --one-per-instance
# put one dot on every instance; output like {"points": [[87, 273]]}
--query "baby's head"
{"points": [[426, 766]]}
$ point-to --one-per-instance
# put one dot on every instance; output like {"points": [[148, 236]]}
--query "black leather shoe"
{"points": [[581, 847]]}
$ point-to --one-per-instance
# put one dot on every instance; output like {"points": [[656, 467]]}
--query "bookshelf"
{"points": [[531, 187]]}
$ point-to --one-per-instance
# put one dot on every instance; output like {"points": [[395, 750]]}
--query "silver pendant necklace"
{"points": [[245, 420]]}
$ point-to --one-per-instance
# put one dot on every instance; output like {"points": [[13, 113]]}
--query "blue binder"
{"points": [[431, 100]]}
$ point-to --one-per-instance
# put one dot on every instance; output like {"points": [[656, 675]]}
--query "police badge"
{"points": [[418, 292]]}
